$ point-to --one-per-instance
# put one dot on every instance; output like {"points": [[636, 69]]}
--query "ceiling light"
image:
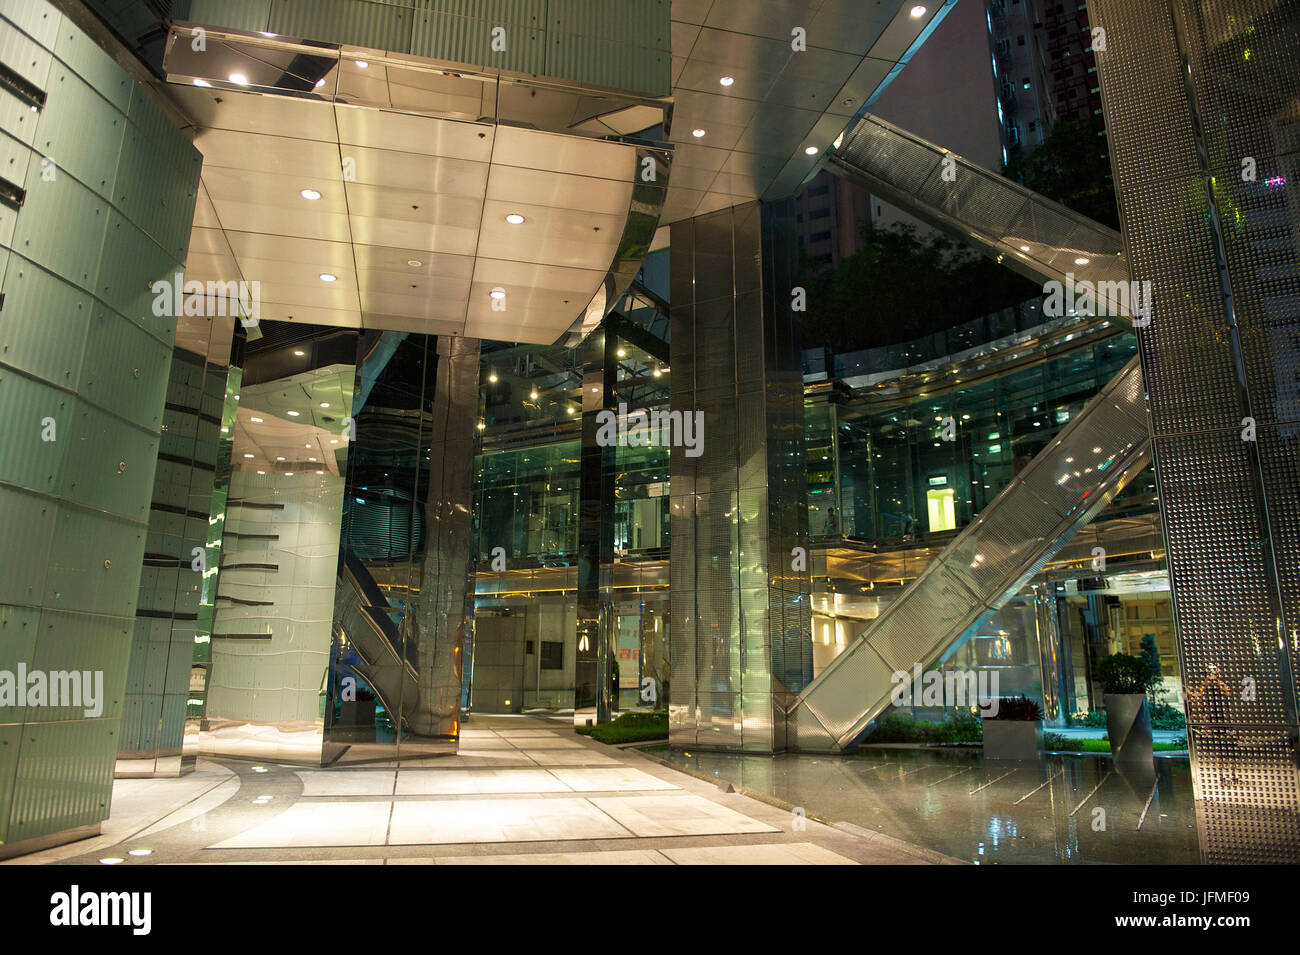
{"points": [[493, 377], [515, 218], [320, 82], [299, 352], [288, 474], [622, 353], [810, 150], [311, 194], [196, 83], [140, 852], [414, 263], [1081, 261], [261, 472], [726, 80], [658, 372], [313, 460], [292, 414], [320, 472], [324, 404], [1024, 248], [918, 11], [255, 420], [362, 64], [334, 440], [570, 409], [279, 459], [697, 133], [328, 277], [111, 861], [247, 455], [239, 79], [481, 426], [497, 293], [306, 445], [533, 394]]}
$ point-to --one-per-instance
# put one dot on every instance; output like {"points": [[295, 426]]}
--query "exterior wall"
{"points": [[1190, 90], [110, 189]]}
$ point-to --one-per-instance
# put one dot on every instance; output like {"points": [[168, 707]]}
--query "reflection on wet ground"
{"points": [[1061, 809]]}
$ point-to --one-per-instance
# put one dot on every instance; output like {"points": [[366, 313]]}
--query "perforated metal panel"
{"points": [[1190, 92]]}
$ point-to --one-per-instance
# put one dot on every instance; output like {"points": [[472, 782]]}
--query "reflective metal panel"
{"points": [[1193, 89]]}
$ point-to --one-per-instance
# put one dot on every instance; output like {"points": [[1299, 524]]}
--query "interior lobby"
{"points": [[417, 445]]}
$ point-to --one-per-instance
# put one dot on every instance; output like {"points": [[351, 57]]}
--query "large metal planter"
{"points": [[1128, 722], [1013, 739]]}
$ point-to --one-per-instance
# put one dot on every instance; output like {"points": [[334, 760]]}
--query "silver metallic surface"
{"points": [[1058, 492], [740, 639], [444, 608], [416, 164], [782, 99], [1194, 89], [1034, 236]]}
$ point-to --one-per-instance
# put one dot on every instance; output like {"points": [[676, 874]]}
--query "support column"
{"points": [[593, 689], [1051, 652], [741, 642], [444, 618], [1199, 100]]}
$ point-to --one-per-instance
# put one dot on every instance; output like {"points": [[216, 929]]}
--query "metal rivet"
{"points": [[108, 564], [121, 466], [135, 372]]}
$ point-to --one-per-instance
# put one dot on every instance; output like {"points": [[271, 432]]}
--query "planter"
{"points": [[1128, 722], [1013, 739]]}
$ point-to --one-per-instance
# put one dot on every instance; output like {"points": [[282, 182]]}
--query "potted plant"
{"points": [[1014, 730], [1124, 682]]}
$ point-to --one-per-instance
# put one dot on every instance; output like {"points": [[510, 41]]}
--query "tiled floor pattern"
{"points": [[521, 791]]}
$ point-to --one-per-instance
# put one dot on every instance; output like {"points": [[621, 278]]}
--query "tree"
{"points": [[1150, 656], [1072, 167], [898, 287]]}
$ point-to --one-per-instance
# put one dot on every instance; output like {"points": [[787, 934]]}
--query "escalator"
{"points": [[1059, 492], [1039, 238], [363, 613]]}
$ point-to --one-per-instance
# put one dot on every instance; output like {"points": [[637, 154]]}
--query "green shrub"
{"points": [[1019, 709], [962, 727], [629, 728], [1093, 719], [1166, 717], [1123, 673]]}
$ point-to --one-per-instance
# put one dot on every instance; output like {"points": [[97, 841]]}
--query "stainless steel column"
{"points": [[1199, 101], [444, 612], [741, 643], [1051, 653], [593, 688]]}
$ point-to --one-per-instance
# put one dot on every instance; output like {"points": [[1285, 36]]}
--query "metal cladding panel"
{"points": [[865, 678], [378, 26], [1201, 97], [96, 220]]}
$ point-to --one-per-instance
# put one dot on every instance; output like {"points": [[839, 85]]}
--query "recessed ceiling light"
{"points": [[514, 218], [239, 79], [726, 80], [299, 352], [1081, 261], [658, 372], [292, 414], [811, 150], [313, 460], [414, 263], [255, 420], [248, 455], [1024, 248], [570, 409], [261, 472], [320, 472], [306, 445], [334, 440], [533, 394], [697, 133], [311, 194], [328, 277], [918, 11], [140, 852], [362, 64], [279, 459], [320, 82], [492, 377], [481, 426], [497, 293], [111, 861], [197, 82], [324, 404], [288, 474], [622, 353]]}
